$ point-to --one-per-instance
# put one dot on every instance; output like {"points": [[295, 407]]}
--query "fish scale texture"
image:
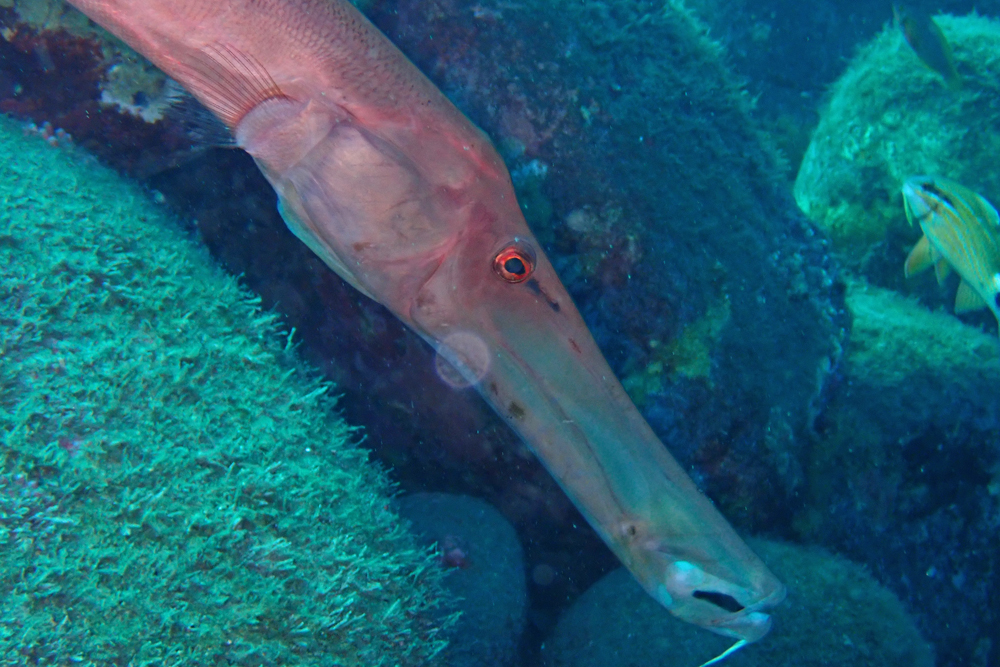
{"points": [[175, 488]]}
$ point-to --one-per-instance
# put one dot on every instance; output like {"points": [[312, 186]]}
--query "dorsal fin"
{"points": [[230, 82], [986, 212]]}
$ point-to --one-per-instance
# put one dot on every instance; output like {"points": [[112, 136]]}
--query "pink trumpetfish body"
{"points": [[381, 176]]}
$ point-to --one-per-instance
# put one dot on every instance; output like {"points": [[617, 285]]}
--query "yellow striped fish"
{"points": [[961, 231]]}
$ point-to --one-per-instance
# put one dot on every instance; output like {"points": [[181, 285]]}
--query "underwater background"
{"points": [[215, 451]]}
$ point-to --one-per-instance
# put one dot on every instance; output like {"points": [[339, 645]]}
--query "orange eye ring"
{"points": [[515, 264]]}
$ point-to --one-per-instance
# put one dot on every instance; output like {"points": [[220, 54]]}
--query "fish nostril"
{"points": [[720, 600]]}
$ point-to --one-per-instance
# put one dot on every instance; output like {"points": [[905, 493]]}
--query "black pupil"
{"points": [[514, 265]]}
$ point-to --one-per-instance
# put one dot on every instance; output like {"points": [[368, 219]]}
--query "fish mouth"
{"points": [[918, 203], [751, 623], [716, 603]]}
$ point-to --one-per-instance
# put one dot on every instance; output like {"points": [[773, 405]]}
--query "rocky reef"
{"points": [[889, 117], [835, 614], [904, 471], [486, 574]]}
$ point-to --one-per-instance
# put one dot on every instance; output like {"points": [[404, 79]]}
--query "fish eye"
{"points": [[515, 262], [940, 194]]}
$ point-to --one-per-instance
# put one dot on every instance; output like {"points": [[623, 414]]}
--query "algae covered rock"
{"points": [[835, 614], [903, 473], [175, 488], [890, 117], [486, 574], [916, 369]]}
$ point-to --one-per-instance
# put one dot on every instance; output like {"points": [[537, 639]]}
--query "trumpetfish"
{"points": [[399, 193]]}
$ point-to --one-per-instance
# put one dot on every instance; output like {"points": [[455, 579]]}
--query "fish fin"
{"points": [[193, 126], [198, 124], [725, 654], [985, 210], [952, 78], [920, 259], [967, 299], [228, 81], [941, 270]]}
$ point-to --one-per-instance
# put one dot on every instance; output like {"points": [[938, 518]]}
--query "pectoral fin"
{"points": [[968, 299], [921, 258], [229, 81]]}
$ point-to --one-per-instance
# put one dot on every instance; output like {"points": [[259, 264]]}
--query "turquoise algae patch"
{"points": [[175, 487]]}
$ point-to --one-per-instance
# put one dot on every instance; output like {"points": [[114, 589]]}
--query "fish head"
{"points": [[904, 21], [455, 260], [400, 195], [927, 202], [939, 207], [502, 321]]}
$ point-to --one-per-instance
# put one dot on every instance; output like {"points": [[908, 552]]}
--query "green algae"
{"points": [[688, 355], [911, 373], [175, 487]]}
